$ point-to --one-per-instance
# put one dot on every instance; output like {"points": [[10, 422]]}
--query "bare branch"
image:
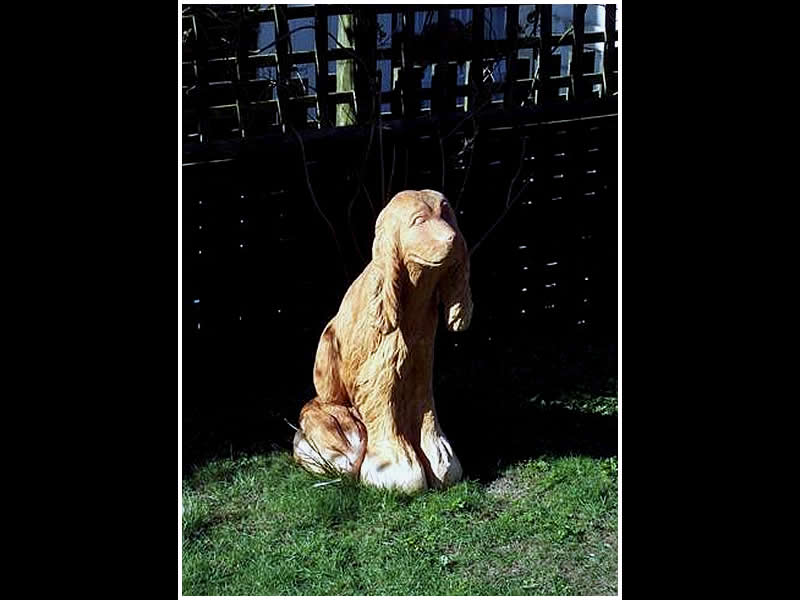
{"points": [[316, 204], [509, 201]]}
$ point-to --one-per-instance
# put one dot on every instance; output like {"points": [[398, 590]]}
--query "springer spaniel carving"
{"points": [[374, 415]]}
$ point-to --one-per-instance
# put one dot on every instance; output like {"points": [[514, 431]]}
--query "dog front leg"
{"points": [[445, 467], [391, 462]]}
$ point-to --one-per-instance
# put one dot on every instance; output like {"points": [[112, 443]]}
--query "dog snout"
{"points": [[448, 237], [445, 234]]}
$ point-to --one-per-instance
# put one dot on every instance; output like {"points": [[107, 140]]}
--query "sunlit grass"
{"points": [[258, 526]]}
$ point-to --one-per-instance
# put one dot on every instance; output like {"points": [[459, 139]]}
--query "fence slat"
{"points": [[443, 80], [576, 64], [512, 30], [282, 50], [475, 68], [227, 96], [244, 70], [443, 88], [410, 79], [397, 64], [366, 41], [545, 93], [610, 67], [200, 53], [321, 56]]}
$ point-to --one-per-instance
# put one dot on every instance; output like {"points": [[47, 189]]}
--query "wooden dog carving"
{"points": [[374, 415]]}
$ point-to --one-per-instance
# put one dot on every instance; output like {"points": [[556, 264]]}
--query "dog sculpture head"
{"points": [[418, 230]]}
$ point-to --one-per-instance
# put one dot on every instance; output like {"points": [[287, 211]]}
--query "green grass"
{"points": [[257, 526]]}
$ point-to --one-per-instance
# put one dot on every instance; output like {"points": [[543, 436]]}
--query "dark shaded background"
{"points": [[278, 216], [263, 274]]}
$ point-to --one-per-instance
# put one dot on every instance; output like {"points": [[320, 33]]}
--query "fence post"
{"points": [[345, 113]]}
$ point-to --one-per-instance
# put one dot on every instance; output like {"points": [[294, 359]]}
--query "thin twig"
{"points": [[441, 151], [361, 172], [557, 45], [316, 204], [519, 170], [353, 229], [470, 114], [500, 218], [369, 199], [380, 155], [509, 201], [405, 181], [478, 109], [475, 130], [348, 51], [391, 176]]}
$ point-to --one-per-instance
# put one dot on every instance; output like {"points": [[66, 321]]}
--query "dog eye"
{"points": [[419, 220]]}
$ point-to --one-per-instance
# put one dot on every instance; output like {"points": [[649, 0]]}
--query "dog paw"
{"points": [[458, 318], [389, 472]]}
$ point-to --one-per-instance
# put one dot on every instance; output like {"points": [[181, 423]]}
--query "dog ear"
{"points": [[456, 295], [384, 305]]}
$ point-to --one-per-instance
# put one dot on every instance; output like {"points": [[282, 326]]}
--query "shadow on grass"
{"points": [[496, 411], [516, 435], [558, 399]]}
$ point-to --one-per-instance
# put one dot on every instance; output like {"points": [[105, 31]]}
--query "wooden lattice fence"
{"points": [[430, 61], [279, 210]]}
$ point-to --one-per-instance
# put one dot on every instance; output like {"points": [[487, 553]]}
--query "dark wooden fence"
{"points": [[429, 61], [277, 223]]}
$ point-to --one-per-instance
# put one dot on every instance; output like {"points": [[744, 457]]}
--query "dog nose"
{"points": [[443, 233], [446, 239]]}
